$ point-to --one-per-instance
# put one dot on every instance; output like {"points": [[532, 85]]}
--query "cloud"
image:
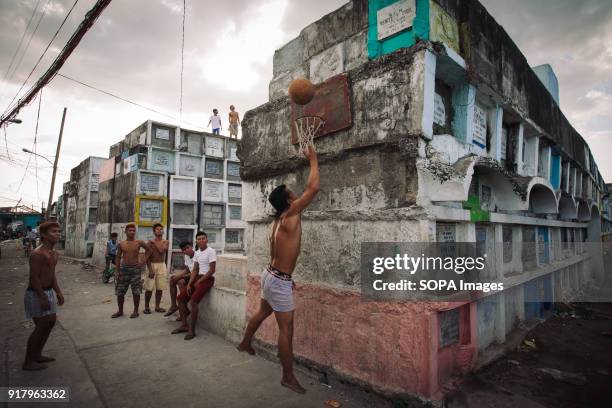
{"points": [[240, 49]]}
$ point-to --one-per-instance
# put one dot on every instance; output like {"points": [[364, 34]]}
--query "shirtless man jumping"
{"points": [[129, 270], [155, 280], [276, 282], [39, 300]]}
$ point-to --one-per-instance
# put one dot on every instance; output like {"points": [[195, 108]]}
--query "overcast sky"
{"points": [[133, 51]]}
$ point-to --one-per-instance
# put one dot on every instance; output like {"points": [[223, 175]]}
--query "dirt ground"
{"points": [[577, 341]]}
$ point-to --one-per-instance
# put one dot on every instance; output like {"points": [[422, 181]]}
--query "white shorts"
{"points": [[277, 292]]}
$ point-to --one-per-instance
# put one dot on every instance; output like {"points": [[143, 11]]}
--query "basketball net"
{"points": [[306, 128]]}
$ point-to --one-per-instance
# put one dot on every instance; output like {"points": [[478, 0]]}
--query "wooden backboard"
{"points": [[331, 102]]}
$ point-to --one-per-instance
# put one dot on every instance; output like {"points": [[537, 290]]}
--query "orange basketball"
{"points": [[301, 91]]}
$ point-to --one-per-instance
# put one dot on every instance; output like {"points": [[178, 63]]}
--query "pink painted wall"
{"points": [[386, 344]]}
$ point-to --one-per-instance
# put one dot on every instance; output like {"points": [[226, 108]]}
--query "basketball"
{"points": [[301, 91]]}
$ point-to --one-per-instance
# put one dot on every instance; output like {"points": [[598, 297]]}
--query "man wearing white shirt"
{"points": [[215, 122], [181, 276], [200, 282]]}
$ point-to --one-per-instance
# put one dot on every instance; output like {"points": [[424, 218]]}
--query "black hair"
{"points": [[279, 198], [185, 244], [157, 225], [201, 233], [114, 235]]}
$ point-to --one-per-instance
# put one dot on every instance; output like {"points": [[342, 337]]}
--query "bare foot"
{"points": [[189, 336], [134, 315], [160, 310], [147, 311], [181, 329], [293, 385], [242, 348], [118, 314], [33, 366], [44, 359]]}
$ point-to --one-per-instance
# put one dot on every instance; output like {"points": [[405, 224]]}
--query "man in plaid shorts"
{"points": [[129, 270]]}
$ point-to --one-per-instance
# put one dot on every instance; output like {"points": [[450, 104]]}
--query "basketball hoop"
{"points": [[306, 128]]}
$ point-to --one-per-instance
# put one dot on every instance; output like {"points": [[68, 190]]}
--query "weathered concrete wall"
{"points": [[223, 310], [387, 101], [79, 227], [336, 43]]}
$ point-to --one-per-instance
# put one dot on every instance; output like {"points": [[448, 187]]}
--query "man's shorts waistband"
{"points": [[279, 274]]}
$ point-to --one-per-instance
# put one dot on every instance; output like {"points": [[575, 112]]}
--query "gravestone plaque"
{"points": [[150, 210], [504, 143], [213, 236], [479, 137], [439, 110], [150, 183], [235, 212], [214, 146], [94, 183], [183, 189], [162, 160], [212, 215], [183, 213], [233, 237], [232, 149], [233, 170], [395, 18], [213, 191], [190, 166], [213, 169], [163, 134], [234, 193]]}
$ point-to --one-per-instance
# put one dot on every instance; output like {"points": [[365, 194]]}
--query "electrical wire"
{"points": [[42, 55], [34, 143], [21, 40], [16, 67], [122, 98]]}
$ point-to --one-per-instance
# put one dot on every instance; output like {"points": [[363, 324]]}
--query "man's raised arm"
{"points": [[312, 188]]}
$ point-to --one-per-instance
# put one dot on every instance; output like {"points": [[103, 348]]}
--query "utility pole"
{"points": [[57, 153]]}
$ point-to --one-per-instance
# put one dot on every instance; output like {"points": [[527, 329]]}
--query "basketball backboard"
{"points": [[331, 102]]}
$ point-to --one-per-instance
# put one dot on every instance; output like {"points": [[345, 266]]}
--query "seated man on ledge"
{"points": [[200, 282]]}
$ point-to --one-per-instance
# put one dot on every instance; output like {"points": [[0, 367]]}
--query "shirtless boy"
{"points": [[276, 281], [39, 300], [155, 280], [234, 121], [181, 276], [129, 270]]}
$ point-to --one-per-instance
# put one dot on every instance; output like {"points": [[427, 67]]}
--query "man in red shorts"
{"points": [[200, 282]]}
